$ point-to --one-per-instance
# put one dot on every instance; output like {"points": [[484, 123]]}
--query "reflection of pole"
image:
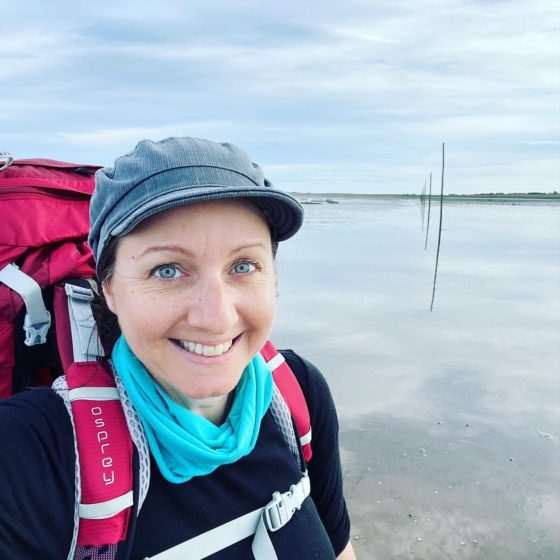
{"points": [[440, 220], [429, 206]]}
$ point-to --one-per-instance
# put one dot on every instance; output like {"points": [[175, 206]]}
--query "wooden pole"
{"points": [[440, 221]]}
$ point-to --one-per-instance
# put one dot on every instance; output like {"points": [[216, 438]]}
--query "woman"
{"points": [[184, 232]]}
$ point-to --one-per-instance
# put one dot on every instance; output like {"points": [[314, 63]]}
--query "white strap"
{"points": [[5, 160], [282, 506], [85, 340], [37, 319], [272, 517], [103, 510], [305, 438], [94, 394], [275, 515], [214, 540], [262, 546], [275, 361]]}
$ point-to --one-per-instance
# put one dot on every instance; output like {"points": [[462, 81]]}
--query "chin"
{"points": [[206, 391]]}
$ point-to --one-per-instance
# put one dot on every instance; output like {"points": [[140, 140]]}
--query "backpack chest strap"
{"points": [[275, 515]]}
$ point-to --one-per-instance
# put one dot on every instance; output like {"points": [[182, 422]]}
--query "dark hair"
{"points": [[107, 322]]}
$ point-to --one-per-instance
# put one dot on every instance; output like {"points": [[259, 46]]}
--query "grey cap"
{"points": [[156, 176]]}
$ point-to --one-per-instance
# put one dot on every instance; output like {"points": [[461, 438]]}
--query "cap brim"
{"points": [[284, 212]]}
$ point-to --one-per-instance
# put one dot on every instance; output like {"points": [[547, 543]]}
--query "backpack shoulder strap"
{"points": [[104, 466], [290, 389]]}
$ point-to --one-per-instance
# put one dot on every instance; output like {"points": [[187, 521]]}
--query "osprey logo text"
{"points": [[104, 444]]}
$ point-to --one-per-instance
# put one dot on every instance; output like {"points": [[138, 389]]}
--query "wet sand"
{"points": [[450, 421], [446, 489]]}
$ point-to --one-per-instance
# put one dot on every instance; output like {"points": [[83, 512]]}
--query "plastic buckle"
{"points": [[5, 160], [283, 506], [78, 292], [36, 334], [276, 513]]}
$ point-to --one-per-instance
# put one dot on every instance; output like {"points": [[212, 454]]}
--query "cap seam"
{"points": [[198, 165]]}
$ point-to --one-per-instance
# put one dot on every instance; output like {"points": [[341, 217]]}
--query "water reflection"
{"points": [[355, 288], [447, 489]]}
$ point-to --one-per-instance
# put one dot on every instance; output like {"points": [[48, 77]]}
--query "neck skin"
{"points": [[214, 409]]}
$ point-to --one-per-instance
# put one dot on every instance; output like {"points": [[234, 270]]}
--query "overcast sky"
{"points": [[328, 96]]}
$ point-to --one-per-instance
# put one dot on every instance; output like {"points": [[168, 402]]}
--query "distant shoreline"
{"points": [[319, 198]]}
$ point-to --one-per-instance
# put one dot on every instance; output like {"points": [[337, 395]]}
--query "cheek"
{"points": [[138, 317], [264, 309]]}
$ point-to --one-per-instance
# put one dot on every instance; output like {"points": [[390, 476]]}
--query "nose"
{"points": [[213, 307]]}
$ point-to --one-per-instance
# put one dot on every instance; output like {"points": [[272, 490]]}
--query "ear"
{"points": [[109, 297]]}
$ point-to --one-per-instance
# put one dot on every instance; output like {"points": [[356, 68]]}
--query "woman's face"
{"points": [[194, 290]]}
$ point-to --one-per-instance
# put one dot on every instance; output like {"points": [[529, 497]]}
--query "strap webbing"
{"points": [[259, 522], [290, 388], [94, 394], [104, 510], [276, 361], [85, 340], [306, 438], [37, 319], [275, 515], [214, 540]]}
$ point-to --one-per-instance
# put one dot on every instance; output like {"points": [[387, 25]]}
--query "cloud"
{"points": [[134, 134], [309, 85], [540, 142]]}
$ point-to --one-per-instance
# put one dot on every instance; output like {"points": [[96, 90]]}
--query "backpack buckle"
{"points": [[283, 506], [36, 333], [5, 160], [276, 513], [37, 318]]}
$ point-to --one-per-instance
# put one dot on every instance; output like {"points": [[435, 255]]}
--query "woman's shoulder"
{"points": [[36, 475], [36, 416], [324, 467], [310, 378], [315, 389], [32, 401]]}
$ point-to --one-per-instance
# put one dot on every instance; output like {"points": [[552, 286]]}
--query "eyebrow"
{"points": [[178, 249]]}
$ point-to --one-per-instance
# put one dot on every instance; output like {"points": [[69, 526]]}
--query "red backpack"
{"points": [[46, 329], [44, 206]]}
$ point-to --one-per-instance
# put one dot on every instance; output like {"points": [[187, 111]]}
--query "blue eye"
{"points": [[166, 272], [244, 267]]}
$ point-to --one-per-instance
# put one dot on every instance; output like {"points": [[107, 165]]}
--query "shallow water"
{"points": [[450, 420]]}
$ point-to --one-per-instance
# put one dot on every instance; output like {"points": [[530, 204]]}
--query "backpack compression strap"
{"points": [[104, 447], [290, 388]]}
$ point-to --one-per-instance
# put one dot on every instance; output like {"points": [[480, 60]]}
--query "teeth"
{"points": [[204, 350]]}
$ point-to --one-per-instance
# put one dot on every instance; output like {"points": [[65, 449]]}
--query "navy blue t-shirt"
{"points": [[37, 485]]}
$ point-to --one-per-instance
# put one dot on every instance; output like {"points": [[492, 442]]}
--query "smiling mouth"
{"points": [[203, 349]]}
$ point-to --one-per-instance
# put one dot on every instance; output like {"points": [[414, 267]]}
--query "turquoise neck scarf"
{"points": [[183, 443]]}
